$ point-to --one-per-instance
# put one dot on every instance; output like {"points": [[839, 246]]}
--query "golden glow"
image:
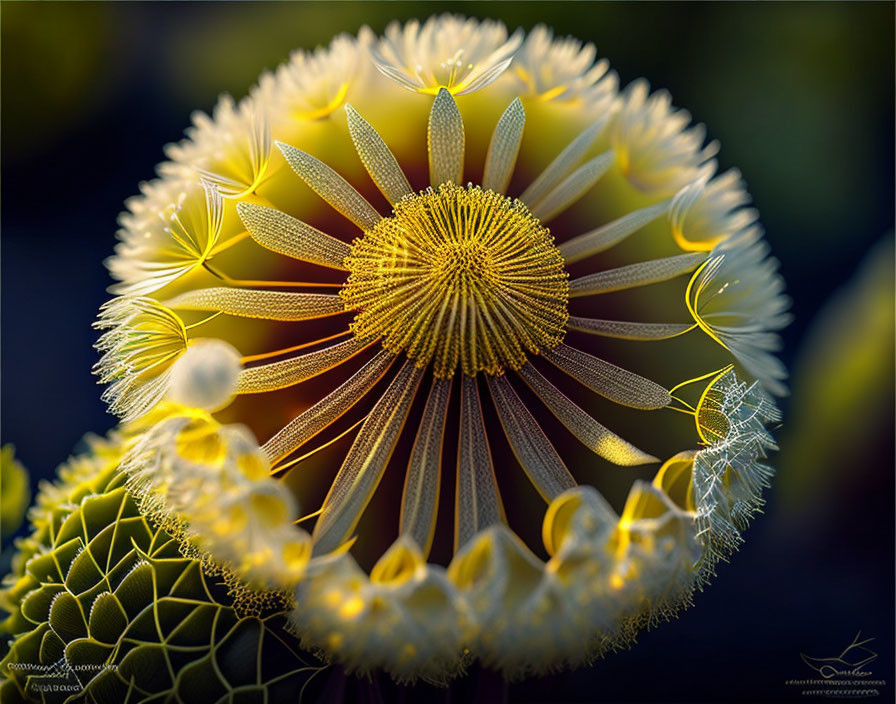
{"points": [[712, 421], [692, 303], [459, 277], [326, 110]]}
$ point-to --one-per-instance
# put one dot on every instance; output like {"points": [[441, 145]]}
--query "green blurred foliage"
{"points": [[843, 392], [15, 492], [76, 39]]}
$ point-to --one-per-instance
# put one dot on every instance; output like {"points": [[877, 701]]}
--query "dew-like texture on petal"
{"points": [[284, 234], [286, 372], [270, 305], [504, 148], [632, 275], [378, 159], [331, 187]]}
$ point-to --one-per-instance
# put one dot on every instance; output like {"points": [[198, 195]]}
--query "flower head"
{"points": [[313, 85], [229, 150], [562, 69], [171, 230], [452, 294], [452, 52]]}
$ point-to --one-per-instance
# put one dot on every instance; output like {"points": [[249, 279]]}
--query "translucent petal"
{"points": [[445, 138], [249, 303], [420, 498], [572, 187], [535, 453], [591, 433], [331, 187], [323, 413], [627, 330], [377, 158], [504, 147], [565, 162], [477, 502], [612, 233], [284, 234], [366, 461], [633, 275], [279, 375], [608, 380]]}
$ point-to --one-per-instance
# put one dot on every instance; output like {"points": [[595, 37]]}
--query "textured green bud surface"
{"points": [[104, 608]]}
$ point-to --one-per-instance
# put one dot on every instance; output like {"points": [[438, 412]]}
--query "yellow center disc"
{"points": [[460, 277]]}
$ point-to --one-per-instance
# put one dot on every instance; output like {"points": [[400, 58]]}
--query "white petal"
{"points": [[365, 463], [608, 380], [377, 158], [640, 274], [284, 234], [504, 147], [445, 137], [331, 187]]}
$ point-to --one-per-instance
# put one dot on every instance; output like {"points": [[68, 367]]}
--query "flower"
{"points": [[562, 69], [451, 52], [486, 216], [312, 85], [168, 233], [229, 151], [655, 151]]}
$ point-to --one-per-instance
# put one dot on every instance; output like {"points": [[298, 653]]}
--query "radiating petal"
{"points": [[608, 380], [535, 453], [420, 498], [565, 162], [325, 412], [612, 233], [249, 303], [331, 187], [284, 234], [504, 147], [572, 187], [633, 275], [377, 158], [477, 502], [592, 434], [279, 375], [445, 138], [627, 330], [366, 461]]}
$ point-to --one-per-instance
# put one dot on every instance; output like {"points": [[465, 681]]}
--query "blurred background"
{"points": [[800, 96]]}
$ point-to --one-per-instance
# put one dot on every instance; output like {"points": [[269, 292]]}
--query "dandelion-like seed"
{"points": [[493, 255]]}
